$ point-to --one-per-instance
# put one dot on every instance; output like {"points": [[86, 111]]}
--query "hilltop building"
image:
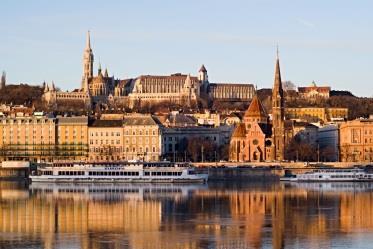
{"points": [[313, 91], [176, 88]]}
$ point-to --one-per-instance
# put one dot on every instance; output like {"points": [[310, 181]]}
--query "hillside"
{"points": [[357, 106], [20, 94]]}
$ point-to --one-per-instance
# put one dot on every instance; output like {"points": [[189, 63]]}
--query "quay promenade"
{"points": [[285, 165]]}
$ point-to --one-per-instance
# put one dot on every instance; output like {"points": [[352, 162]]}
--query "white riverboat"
{"points": [[331, 175], [333, 187], [98, 191], [132, 172]]}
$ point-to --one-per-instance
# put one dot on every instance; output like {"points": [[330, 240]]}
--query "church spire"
{"points": [[278, 114], [88, 42], [3, 80], [277, 83], [99, 69], [87, 63]]}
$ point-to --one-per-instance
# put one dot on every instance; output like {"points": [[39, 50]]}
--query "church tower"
{"points": [[3, 80], [278, 115], [87, 64], [203, 78]]}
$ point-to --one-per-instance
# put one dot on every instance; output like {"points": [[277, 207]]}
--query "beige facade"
{"points": [[105, 140], [207, 118], [176, 88], [313, 91], [356, 141], [319, 113], [42, 138], [142, 138], [32, 137], [231, 91], [72, 138]]}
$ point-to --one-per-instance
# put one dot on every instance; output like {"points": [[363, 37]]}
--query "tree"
{"points": [[199, 148], [288, 85], [299, 150]]}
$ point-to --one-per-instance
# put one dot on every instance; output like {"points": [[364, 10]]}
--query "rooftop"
{"points": [[105, 123]]}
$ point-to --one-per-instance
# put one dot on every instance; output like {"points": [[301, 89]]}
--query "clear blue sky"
{"points": [[330, 42]]}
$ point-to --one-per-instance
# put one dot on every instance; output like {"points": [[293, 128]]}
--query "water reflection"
{"points": [[146, 216]]}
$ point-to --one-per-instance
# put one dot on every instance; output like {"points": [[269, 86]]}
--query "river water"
{"points": [[217, 215]]}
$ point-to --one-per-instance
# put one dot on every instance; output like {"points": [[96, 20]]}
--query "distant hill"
{"points": [[357, 106], [341, 93], [20, 94]]}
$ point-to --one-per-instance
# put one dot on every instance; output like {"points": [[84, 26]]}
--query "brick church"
{"points": [[258, 138]]}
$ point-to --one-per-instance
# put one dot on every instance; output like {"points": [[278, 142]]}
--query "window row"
{"points": [[113, 173]]}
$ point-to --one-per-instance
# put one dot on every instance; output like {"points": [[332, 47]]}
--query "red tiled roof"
{"points": [[255, 109]]}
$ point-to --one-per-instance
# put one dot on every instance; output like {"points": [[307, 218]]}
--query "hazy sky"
{"points": [[328, 41]]}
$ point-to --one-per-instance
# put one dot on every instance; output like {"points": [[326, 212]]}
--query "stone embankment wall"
{"points": [[241, 174], [282, 164]]}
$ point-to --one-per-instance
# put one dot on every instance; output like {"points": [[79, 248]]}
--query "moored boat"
{"points": [[132, 172], [332, 175]]}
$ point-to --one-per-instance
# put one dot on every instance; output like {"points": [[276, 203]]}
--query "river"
{"points": [[217, 215]]}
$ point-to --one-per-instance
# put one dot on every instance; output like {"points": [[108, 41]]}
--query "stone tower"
{"points": [[188, 90], [87, 64], [203, 78], [278, 115], [3, 80]]}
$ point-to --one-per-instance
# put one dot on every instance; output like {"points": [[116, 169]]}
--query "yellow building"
{"points": [[142, 138], [105, 140], [72, 138], [318, 113], [27, 138], [356, 141], [207, 118]]}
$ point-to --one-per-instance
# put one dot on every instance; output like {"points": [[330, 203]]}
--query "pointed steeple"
{"points": [[202, 69], [99, 68], [88, 59], [88, 42], [202, 76], [278, 114], [46, 89], [277, 87], [188, 82], [53, 88], [106, 74], [3, 80]]}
